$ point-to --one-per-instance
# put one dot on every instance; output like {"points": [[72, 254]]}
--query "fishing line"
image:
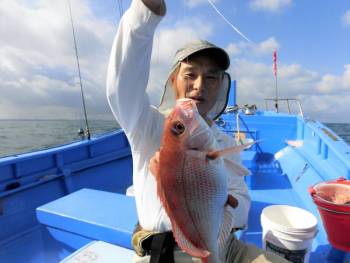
{"points": [[158, 33], [187, 80], [228, 22], [188, 89]]}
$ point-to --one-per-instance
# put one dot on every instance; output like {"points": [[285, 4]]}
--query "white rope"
{"points": [[238, 138], [229, 23]]}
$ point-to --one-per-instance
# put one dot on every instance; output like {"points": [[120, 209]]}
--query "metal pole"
{"points": [[276, 99], [275, 73], [288, 106]]}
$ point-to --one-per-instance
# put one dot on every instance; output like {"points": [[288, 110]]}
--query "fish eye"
{"points": [[178, 128]]}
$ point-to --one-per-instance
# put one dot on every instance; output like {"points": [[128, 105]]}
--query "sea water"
{"points": [[19, 136]]}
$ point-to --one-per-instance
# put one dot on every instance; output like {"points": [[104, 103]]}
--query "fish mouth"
{"points": [[197, 99]]}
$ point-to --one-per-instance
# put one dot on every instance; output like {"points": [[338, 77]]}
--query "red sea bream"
{"points": [[191, 182]]}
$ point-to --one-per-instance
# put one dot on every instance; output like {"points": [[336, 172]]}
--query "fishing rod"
{"points": [[79, 73]]}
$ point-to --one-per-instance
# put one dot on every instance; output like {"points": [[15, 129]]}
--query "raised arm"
{"points": [[129, 64]]}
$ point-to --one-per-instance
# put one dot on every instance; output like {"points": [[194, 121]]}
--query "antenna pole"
{"points": [[80, 82], [274, 58]]}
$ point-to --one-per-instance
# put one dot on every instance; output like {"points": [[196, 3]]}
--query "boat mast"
{"points": [[87, 131], [276, 99], [275, 73]]}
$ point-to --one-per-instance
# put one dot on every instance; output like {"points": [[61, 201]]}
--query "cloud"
{"points": [[265, 47], [195, 3], [255, 81], [166, 42], [324, 97], [346, 18], [346, 77], [332, 84], [38, 76], [273, 6], [328, 84], [169, 39], [38, 67], [233, 49]]}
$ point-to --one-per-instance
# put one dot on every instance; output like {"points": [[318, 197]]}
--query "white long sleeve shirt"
{"points": [[127, 79]]}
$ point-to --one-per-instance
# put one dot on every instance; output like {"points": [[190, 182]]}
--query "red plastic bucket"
{"points": [[333, 202]]}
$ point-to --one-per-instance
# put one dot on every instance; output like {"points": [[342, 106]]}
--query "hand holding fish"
{"points": [[231, 201]]}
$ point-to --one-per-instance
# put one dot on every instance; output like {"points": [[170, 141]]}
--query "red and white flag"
{"points": [[275, 62]]}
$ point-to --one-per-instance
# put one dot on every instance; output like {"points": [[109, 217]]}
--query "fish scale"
{"points": [[194, 196]]}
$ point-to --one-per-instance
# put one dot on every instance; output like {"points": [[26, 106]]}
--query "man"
{"points": [[198, 73]]}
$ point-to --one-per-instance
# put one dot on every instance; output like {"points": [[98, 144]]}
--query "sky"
{"points": [[39, 78]]}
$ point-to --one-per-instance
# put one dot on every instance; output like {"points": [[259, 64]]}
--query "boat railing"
{"points": [[287, 101]]}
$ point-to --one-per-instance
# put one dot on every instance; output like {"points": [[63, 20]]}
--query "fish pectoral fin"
{"points": [[153, 165], [231, 150], [237, 168]]}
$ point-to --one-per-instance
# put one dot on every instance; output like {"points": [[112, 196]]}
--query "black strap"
{"points": [[162, 248]]}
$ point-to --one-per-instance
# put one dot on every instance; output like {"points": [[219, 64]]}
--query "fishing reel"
{"points": [[249, 109], [246, 109]]}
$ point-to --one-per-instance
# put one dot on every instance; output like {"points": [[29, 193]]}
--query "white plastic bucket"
{"points": [[288, 231]]}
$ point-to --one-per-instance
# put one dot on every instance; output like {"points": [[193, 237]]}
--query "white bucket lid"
{"points": [[288, 219]]}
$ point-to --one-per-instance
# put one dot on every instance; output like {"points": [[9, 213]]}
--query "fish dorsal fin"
{"points": [[231, 150]]}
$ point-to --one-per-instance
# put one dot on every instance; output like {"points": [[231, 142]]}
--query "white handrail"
{"points": [[287, 100]]}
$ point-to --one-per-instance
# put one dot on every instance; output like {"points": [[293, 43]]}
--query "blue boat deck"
{"points": [[99, 172], [268, 186], [97, 220]]}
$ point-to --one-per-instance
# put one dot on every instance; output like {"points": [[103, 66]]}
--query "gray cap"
{"points": [[202, 46]]}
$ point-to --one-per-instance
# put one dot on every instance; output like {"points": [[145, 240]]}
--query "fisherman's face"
{"points": [[198, 78]]}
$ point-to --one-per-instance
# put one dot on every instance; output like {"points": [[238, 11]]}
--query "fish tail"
{"points": [[210, 260]]}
